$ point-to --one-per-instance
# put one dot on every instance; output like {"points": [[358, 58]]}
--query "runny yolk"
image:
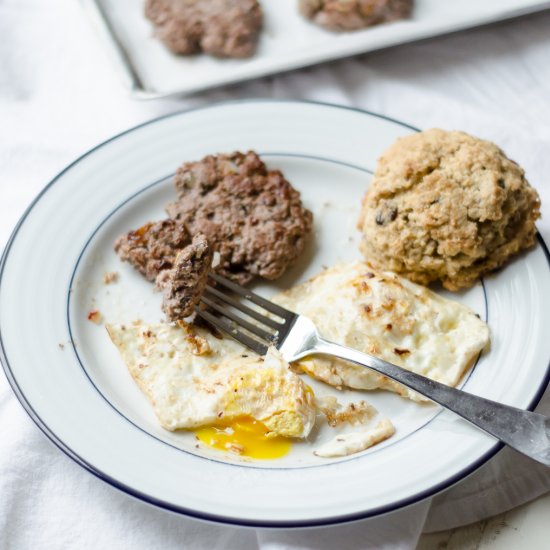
{"points": [[244, 436]]}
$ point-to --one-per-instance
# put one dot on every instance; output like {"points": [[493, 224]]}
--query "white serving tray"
{"points": [[288, 41]]}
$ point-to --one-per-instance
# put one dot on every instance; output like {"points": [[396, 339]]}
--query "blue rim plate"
{"points": [[73, 384]]}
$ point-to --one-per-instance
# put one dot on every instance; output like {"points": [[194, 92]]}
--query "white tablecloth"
{"points": [[60, 97]]}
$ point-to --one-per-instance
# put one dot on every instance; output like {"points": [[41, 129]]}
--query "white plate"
{"points": [[74, 385], [288, 41]]}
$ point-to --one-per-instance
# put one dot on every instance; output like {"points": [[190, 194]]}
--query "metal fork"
{"points": [[295, 336]]}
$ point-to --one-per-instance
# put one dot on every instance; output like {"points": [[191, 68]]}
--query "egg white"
{"points": [[387, 316], [193, 378]]}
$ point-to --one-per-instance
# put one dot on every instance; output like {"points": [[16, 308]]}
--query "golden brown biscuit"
{"points": [[446, 206]]}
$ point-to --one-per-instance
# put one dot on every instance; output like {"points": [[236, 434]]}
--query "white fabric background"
{"points": [[60, 97]]}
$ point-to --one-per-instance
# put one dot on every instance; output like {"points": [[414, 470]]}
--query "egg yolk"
{"points": [[244, 436]]}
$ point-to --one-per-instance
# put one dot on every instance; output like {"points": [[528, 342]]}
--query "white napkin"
{"points": [[59, 97]]}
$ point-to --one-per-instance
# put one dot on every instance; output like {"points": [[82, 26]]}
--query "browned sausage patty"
{"points": [[153, 248], [184, 283], [251, 215], [223, 28], [350, 15]]}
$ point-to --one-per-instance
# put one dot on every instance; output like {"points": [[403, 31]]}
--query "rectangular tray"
{"points": [[288, 41]]}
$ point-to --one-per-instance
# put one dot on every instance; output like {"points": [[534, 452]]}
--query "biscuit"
{"points": [[446, 206]]}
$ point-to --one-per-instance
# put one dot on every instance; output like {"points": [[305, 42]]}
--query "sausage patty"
{"points": [[223, 28], [153, 248], [184, 283], [251, 215], [350, 15]]}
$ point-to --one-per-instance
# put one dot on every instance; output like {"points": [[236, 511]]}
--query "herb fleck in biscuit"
{"points": [[446, 206]]}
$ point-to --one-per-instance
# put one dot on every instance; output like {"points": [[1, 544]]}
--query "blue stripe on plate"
{"points": [[180, 509]]}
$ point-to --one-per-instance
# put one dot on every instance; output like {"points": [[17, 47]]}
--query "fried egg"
{"points": [[351, 443], [387, 316], [195, 380]]}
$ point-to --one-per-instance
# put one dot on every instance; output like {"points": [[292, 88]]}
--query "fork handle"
{"points": [[524, 431]]}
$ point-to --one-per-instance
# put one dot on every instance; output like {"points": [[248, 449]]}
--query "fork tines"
{"points": [[227, 313]]}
